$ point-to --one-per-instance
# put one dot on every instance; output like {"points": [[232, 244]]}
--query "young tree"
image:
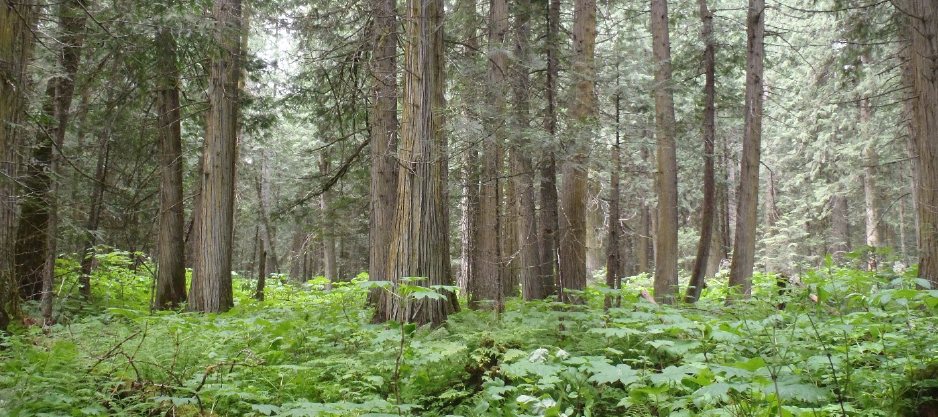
{"points": [[421, 230], [666, 247], [744, 247], [211, 281], [171, 254], [708, 212], [16, 20]]}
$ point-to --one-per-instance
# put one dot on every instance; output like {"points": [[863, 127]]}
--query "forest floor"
{"points": [[868, 346]]}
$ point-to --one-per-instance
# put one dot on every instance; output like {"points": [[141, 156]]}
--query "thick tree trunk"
{"points": [[748, 207], [211, 281], [383, 123], [576, 166], [421, 230], [708, 211], [171, 278], [17, 19], [922, 16], [94, 216], [549, 214], [529, 254], [486, 285], [666, 284]]}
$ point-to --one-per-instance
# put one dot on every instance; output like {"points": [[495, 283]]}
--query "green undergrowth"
{"points": [[867, 347]]}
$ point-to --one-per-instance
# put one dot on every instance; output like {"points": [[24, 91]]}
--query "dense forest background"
{"points": [[462, 154]]}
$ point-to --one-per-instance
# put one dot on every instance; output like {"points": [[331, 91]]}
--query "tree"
{"points": [[171, 253], [487, 280], [922, 17], [17, 20], [576, 166], [708, 211], [744, 247], [383, 118], [666, 245], [36, 232], [419, 246], [530, 257], [549, 217], [211, 280]]}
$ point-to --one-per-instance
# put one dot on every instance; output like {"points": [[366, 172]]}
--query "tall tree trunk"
{"points": [[265, 199], [17, 19], [576, 164], [771, 218], [94, 215], [487, 283], [708, 212], [297, 251], [419, 240], [211, 281], [261, 271], [36, 216], [644, 240], [666, 284], [36, 232], [595, 229], [171, 253], [614, 266], [383, 123], [529, 260], [328, 236], [549, 215], [922, 16], [195, 223], [840, 225], [511, 273], [744, 247]]}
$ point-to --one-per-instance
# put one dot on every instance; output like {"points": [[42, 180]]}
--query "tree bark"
{"points": [[708, 211], [745, 242], [614, 266], [575, 167], [549, 215], [383, 123], [922, 16], [171, 253], [666, 284], [211, 281], [421, 230], [529, 260], [486, 285], [840, 224], [17, 20], [871, 160]]}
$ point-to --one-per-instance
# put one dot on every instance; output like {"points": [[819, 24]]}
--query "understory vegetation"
{"points": [[866, 346]]}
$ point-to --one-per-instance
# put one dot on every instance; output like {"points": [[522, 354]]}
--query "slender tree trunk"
{"points": [[94, 215], [297, 251], [873, 239], [17, 20], [595, 229], [261, 271], [511, 273], [549, 214], [614, 267], [922, 16], [171, 279], [487, 283], [383, 123], [421, 230], [708, 211], [328, 237], [772, 253], [211, 281], [666, 284], [840, 224], [195, 223], [745, 243], [902, 247], [265, 199]]}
